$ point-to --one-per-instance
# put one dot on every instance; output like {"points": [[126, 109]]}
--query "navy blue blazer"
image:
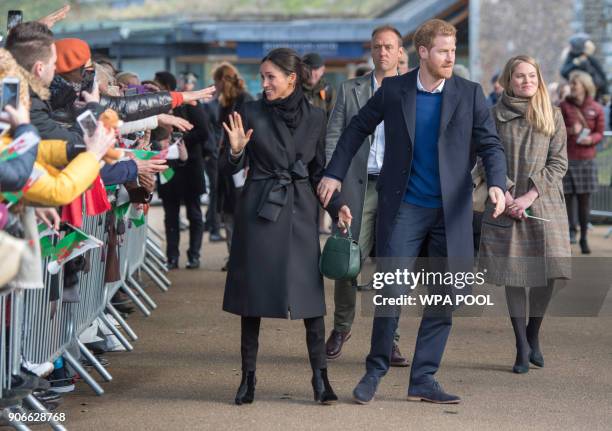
{"points": [[467, 130]]}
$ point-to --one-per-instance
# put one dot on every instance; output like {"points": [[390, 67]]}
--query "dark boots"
{"points": [[321, 387], [246, 391], [323, 391]]}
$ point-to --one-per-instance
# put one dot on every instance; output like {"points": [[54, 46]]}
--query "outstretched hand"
{"points": [[235, 133], [58, 15]]}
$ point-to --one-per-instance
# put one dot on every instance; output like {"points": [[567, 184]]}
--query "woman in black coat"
{"points": [[273, 267]]}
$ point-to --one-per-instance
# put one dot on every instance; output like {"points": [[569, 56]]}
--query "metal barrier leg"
{"points": [[155, 276], [155, 233], [97, 365], [163, 268], [83, 373], [160, 271], [142, 293], [153, 249], [34, 404], [121, 321], [116, 333], [156, 246], [135, 299]]}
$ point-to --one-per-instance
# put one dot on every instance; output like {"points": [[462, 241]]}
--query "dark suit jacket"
{"points": [[467, 130]]}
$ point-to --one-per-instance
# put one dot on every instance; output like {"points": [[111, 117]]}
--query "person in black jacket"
{"points": [[580, 57], [187, 185]]}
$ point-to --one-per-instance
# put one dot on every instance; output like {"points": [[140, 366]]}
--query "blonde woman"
{"points": [[585, 124], [518, 251]]}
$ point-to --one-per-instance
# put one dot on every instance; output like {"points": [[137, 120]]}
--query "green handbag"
{"points": [[341, 257]]}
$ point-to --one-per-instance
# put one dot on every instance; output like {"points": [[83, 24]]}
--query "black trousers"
{"points": [[212, 215], [315, 341], [172, 207]]}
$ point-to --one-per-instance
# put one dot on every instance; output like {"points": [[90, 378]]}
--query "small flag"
{"points": [[137, 216], [72, 245], [34, 176], [166, 175], [45, 231], [139, 221], [12, 197], [170, 153], [144, 154], [19, 146], [45, 234]]}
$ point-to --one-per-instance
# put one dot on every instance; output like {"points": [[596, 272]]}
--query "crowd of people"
{"points": [[399, 155], [73, 126]]}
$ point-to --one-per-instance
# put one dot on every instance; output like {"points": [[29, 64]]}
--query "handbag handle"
{"points": [[349, 235]]}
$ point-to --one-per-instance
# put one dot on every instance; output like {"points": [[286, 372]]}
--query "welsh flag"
{"points": [[170, 153], [72, 245], [14, 197], [137, 215], [34, 176], [144, 154], [166, 175], [19, 146], [45, 234], [122, 204]]}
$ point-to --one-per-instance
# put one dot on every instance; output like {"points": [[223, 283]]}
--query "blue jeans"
{"points": [[415, 229]]}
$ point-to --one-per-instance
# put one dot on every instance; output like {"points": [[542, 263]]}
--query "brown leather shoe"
{"points": [[397, 360], [336, 340]]}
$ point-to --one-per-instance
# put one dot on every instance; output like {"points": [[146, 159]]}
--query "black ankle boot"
{"points": [[246, 391], [584, 246], [323, 391]]}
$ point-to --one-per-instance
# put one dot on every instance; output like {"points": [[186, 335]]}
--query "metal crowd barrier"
{"points": [[36, 328], [601, 200]]}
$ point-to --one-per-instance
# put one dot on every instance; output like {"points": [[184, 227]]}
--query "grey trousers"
{"points": [[345, 293]]}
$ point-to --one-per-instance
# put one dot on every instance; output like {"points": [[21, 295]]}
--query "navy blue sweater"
{"points": [[424, 183]]}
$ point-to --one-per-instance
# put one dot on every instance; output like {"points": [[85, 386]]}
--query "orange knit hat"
{"points": [[71, 54]]}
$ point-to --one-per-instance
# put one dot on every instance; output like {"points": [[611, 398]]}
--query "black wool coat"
{"points": [[273, 267]]}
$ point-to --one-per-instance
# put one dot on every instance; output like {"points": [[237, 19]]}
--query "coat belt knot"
{"points": [[276, 197]]}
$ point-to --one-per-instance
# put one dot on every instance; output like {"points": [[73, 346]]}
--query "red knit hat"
{"points": [[71, 54]]}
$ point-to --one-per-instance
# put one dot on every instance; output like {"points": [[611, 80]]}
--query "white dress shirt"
{"points": [[420, 87], [377, 149]]}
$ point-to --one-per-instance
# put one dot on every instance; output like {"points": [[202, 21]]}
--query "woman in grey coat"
{"points": [[273, 266], [518, 250]]}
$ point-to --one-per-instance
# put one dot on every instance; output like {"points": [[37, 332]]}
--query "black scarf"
{"points": [[288, 109]]}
